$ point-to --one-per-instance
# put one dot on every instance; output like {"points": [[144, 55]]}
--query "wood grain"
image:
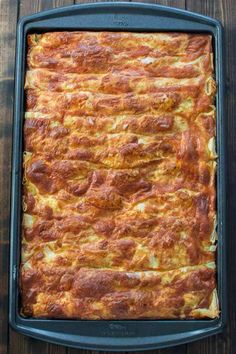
{"points": [[173, 3], [29, 7], [10, 341], [8, 18]]}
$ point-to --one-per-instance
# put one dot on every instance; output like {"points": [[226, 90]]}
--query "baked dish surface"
{"points": [[119, 177]]}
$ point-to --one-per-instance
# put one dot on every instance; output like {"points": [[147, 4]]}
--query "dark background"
{"points": [[10, 12]]}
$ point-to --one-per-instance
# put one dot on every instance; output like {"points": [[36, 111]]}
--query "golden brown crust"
{"points": [[108, 294], [119, 176]]}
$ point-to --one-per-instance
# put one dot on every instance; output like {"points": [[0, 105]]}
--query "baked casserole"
{"points": [[119, 177]]}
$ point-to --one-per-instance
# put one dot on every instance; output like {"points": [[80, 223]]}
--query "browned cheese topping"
{"points": [[119, 176]]}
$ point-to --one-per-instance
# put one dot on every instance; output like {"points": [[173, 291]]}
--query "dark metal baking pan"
{"points": [[115, 335]]}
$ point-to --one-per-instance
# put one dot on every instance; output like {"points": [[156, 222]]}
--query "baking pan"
{"points": [[115, 335]]}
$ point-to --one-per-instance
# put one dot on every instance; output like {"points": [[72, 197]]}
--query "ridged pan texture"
{"points": [[119, 177]]}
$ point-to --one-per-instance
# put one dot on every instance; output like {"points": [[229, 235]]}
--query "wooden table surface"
{"points": [[10, 11]]}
